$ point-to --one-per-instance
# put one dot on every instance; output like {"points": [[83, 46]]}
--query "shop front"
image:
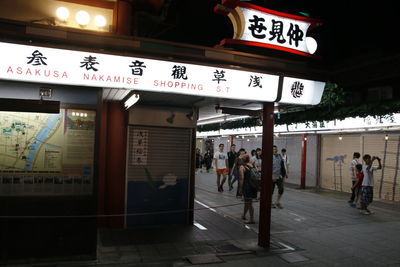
{"points": [[76, 157]]}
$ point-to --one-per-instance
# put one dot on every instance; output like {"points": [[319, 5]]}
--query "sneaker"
{"points": [[350, 201], [352, 205], [230, 188], [370, 212], [243, 218], [364, 212], [278, 205], [219, 189]]}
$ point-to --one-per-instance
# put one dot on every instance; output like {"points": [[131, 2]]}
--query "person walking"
{"points": [[235, 170], [257, 159], [353, 171], [221, 164], [249, 192], [358, 186], [199, 160], [286, 161], [232, 155], [278, 174], [208, 160], [367, 190]]}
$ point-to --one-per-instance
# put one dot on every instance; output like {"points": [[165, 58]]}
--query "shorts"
{"points": [[367, 195], [279, 184], [222, 171]]}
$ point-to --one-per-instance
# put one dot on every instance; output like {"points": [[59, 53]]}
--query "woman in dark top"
{"points": [[235, 170], [249, 193]]}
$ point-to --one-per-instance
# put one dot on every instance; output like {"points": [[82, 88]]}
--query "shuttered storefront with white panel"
{"points": [[386, 180], [158, 171], [336, 156]]}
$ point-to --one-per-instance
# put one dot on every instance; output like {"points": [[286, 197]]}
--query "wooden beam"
{"points": [[93, 3]]}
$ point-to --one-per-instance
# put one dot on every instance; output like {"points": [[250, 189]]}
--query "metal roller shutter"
{"points": [[336, 156], [386, 181], [158, 170]]}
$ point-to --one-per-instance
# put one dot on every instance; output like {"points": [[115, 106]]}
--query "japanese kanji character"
{"points": [[256, 27], [179, 72], [137, 67], [277, 31], [297, 89], [219, 76], [255, 81], [295, 34], [37, 59], [89, 62]]}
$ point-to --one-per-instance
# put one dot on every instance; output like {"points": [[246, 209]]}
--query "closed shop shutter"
{"points": [[158, 171], [386, 180], [293, 149], [336, 156]]}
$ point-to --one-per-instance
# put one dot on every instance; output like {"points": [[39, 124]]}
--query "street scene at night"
{"points": [[199, 133]]}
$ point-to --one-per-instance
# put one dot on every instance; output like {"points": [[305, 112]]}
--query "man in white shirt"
{"points": [[367, 191], [221, 163]]}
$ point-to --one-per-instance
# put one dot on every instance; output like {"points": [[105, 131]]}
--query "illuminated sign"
{"points": [[258, 26], [300, 91], [60, 66]]}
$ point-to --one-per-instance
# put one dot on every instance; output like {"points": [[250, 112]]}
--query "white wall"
{"points": [[292, 143]]}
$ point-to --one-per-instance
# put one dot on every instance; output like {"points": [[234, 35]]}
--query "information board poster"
{"points": [[47, 154]]}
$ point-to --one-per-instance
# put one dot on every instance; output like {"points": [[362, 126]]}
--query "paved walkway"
{"points": [[313, 229]]}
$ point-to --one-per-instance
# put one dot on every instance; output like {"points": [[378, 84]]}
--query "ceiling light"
{"points": [[82, 18], [62, 13], [131, 101], [100, 21]]}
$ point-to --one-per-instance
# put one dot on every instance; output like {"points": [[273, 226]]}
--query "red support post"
{"points": [[303, 161], [264, 230], [116, 163], [122, 17]]}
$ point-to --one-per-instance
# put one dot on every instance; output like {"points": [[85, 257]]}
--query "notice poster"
{"points": [[46, 154], [140, 147]]}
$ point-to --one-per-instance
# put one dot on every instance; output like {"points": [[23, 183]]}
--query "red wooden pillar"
{"points": [[264, 230], [231, 139], [116, 163], [303, 161], [122, 18]]}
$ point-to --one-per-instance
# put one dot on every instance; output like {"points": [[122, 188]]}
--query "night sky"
{"points": [[351, 28]]}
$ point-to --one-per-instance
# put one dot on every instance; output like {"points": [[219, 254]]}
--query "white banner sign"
{"points": [[276, 30], [59, 66], [302, 92], [258, 26]]}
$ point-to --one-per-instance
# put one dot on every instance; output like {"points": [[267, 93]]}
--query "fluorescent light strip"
{"points": [[201, 227]]}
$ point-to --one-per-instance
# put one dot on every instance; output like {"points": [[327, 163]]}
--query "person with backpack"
{"points": [[278, 174], [249, 190]]}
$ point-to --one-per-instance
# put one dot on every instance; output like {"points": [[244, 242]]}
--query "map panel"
{"points": [[47, 154]]}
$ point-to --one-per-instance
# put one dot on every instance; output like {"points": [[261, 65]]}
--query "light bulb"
{"points": [[82, 17], [62, 13], [100, 21]]}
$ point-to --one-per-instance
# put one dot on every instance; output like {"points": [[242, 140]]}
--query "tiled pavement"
{"points": [[313, 229]]}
